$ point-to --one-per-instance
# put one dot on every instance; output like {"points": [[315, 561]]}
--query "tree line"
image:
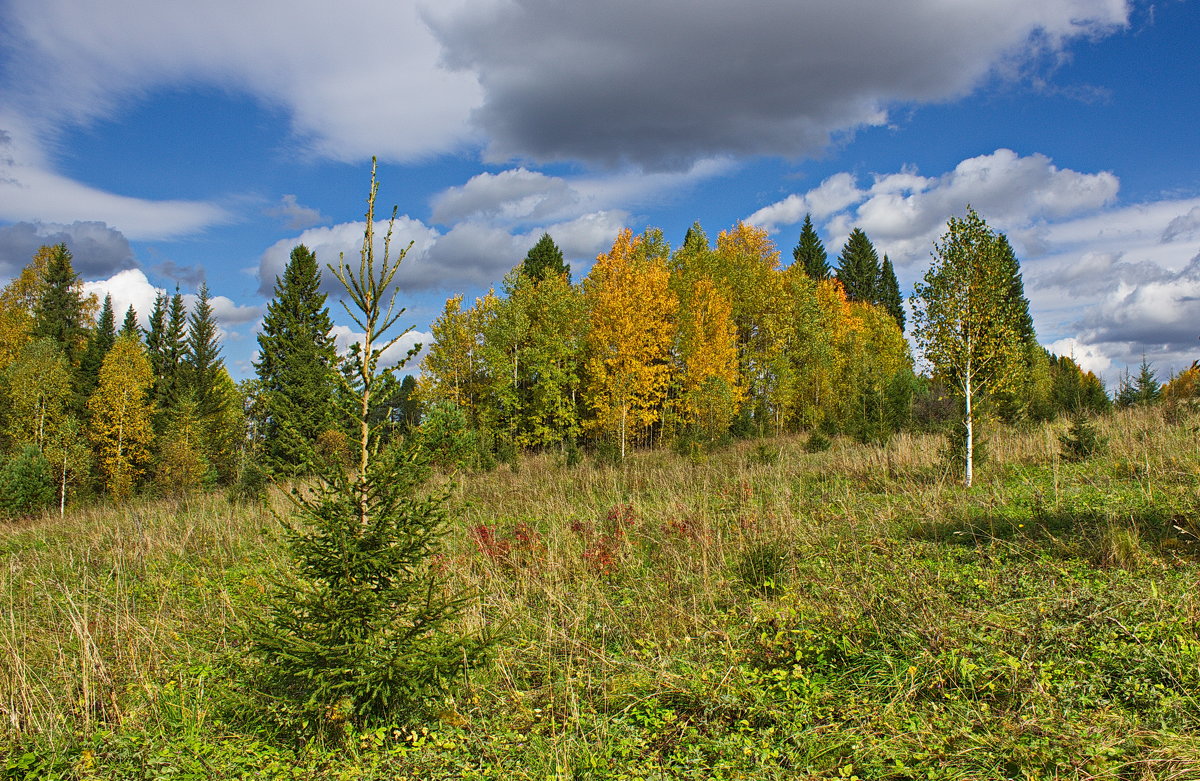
{"points": [[91, 408], [691, 346]]}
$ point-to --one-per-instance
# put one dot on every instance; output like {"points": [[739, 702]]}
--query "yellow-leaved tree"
{"points": [[631, 329], [120, 412], [17, 300], [710, 387]]}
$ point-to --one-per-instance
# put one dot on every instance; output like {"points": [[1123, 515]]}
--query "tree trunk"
{"points": [[970, 421]]}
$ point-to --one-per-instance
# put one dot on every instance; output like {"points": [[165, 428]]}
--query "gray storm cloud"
{"points": [[662, 84]]}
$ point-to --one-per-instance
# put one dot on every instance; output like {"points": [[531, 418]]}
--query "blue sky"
{"points": [[167, 144]]}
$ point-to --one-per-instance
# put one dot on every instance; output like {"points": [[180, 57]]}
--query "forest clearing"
{"points": [[760, 612]]}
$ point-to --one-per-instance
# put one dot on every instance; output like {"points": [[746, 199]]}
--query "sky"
{"points": [[170, 144]]}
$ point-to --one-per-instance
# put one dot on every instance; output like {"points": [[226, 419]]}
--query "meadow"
{"points": [[758, 612]]}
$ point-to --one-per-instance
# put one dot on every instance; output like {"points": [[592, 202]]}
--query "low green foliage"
{"points": [[853, 613], [26, 486]]}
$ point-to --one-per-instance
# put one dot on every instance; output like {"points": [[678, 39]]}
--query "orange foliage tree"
{"points": [[630, 333]]}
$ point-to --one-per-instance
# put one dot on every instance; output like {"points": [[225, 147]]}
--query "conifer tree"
{"points": [[165, 348], [544, 260], [100, 341], [889, 293], [60, 312], [1011, 268], [296, 366], [202, 357], [858, 268], [1141, 390], [810, 252], [129, 326], [360, 630]]}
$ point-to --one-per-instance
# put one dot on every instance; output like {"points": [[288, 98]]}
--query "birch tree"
{"points": [[965, 322]]}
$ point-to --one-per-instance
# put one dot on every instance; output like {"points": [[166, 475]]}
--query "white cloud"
{"points": [[30, 191], [344, 337], [357, 78], [1110, 282], [518, 197], [1088, 357], [904, 212], [127, 288], [473, 253]]}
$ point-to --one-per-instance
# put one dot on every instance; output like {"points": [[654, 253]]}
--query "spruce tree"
{"points": [[59, 312], [544, 259], [361, 631], [1141, 390], [100, 341], [296, 366], [129, 326], [810, 252], [170, 381], [889, 293], [156, 336], [1016, 289], [858, 268], [202, 357]]}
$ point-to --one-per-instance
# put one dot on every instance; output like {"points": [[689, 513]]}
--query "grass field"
{"points": [[764, 612]]}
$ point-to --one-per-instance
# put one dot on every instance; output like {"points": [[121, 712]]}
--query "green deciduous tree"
{"points": [[39, 393], [965, 321], [26, 485], [120, 414], [297, 366]]}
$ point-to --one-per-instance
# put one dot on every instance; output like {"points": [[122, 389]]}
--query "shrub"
{"points": [[817, 443], [446, 437], [26, 486], [1082, 440]]}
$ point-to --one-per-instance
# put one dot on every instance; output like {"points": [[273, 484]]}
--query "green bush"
{"points": [[1082, 440], [26, 486], [446, 437]]}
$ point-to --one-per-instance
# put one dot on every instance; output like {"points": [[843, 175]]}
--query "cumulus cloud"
{"points": [[474, 253], [904, 212], [1088, 357], [1185, 226], [344, 337], [127, 288], [522, 197], [1163, 312], [511, 196], [96, 249], [664, 84], [344, 240], [1106, 281], [294, 215], [357, 79]]}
